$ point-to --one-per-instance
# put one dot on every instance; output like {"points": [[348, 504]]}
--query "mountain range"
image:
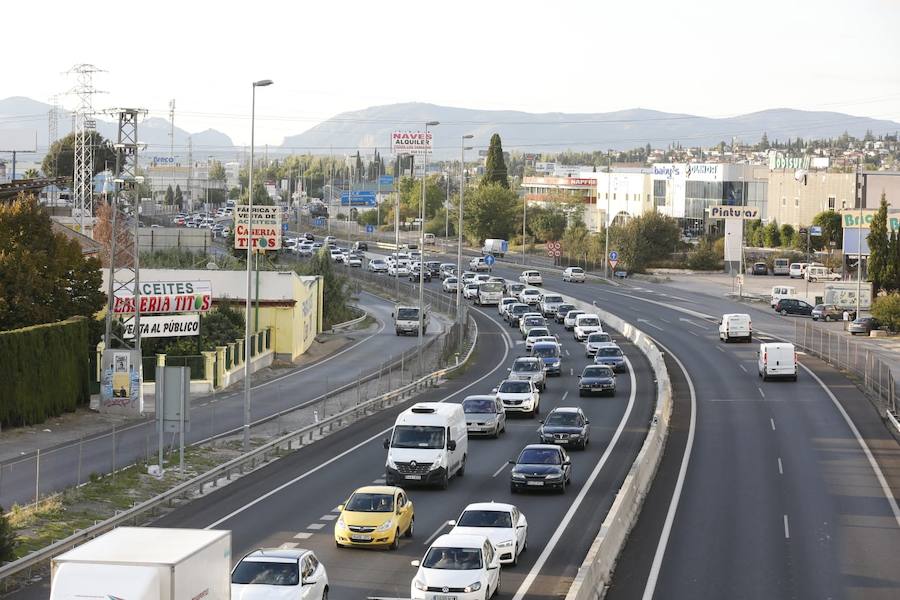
{"points": [[370, 128], [554, 132]]}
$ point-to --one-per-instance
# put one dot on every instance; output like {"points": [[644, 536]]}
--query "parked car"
{"points": [[485, 415], [821, 273], [797, 270], [760, 268], [540, 466], [597, 379], [781, 266], [566, 426], [793, 306], [827, 312], [863, 325], [573, 274]]}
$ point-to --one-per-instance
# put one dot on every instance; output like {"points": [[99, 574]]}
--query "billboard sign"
{"points": [[843, 294], [733, 212], [850, 219], [780, 160], [167, 297], [18, 140], [120, 382], [361, 198], [411, 142], [266, 225], [164, 326]]}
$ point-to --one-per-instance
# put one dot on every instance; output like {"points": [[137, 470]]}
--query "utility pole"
{"points": [[172, 141], [606, 216], [85, 126]]}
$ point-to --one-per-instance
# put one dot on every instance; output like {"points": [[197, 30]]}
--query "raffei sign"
{"points": [[167, 297], [411, 142], [733, 212]]}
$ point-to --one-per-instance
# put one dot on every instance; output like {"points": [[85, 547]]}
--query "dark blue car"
{"points": [[549, 353]]}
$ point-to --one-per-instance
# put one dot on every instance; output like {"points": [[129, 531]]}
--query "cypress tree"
{"points": [[879, 247], [494, 165]]}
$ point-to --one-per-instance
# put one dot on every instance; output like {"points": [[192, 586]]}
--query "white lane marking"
{"points": [[743, 368], [695, 334], [665, 320], [554, 539], [571, 371], [565, 395], [567, 352], [653, 576], [379, 481], [303, 535], [649, 324], [682, 319], [772, 423], [885, 488], [330, 517], [780, 467], [361, 444], [315, 526], [787, 529], [436, 533], [288, 545], [761, 392], [502, 468]]}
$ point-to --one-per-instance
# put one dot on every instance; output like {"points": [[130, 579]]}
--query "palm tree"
{"points": [[32, 174]]}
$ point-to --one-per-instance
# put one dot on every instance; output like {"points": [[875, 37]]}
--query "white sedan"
{"points": [[569, 321], [376, 265], [533, 334], [467, 564], [470, 291], [530, 296], [518, 395], [503, 524], [531, 278], [504, 304], [398, 270], [574, 274], [450, 284], [280, 573]]}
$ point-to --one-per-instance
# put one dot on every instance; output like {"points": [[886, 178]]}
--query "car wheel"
{"points": [[826, 318], [581, 393], [325, 594], [515, 560], [783, 313], [512, 489], [412, 524], [462, 468], [396, 543], [445, 481], [562, 488]]}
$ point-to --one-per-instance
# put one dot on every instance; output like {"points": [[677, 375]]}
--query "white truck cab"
{"points": [[406, 320], [777, 360], [735, 325], [428, 445]]}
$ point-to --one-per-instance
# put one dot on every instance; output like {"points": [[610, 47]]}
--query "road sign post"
{"points": [[613, 259]]}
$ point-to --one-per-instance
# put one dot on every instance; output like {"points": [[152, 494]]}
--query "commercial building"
{"points": [[796, 197], [875, 183], [192, 179], [541, 191], [623, 193]]}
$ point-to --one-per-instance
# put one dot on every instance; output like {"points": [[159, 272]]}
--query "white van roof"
{"points": [[429, 413], [774, 346], [735, 315]]}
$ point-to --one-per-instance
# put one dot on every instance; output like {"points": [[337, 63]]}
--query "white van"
{"points": [[782, 291], [428, 445], [781, 266], [735, 325], [777, 360], [817, 273], [797, 270]]}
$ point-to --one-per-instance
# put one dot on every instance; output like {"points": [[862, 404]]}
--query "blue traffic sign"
{"points": [[319, 221], [613, 255], [386, 180], [489, 260], [284, 228], [815, 230], [360, 198], [370, 229]]}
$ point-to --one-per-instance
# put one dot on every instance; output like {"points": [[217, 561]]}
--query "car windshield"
{"points": [[546, 351], [515, 387], [516, 287], [491, 286], [479, 406], [563, 419], [471, 286], [552, 299], [519, 308], [453, 559], [526, 366], [266, 573], [363, 502], [408, 314], [589, 322], [598, 337], [534, 321], [577, 270], [451, 280], [539, 456], [485, 518], [531, 293], [597, 372], [538, 332], [609, 352], [418, 436], [574, 313]]}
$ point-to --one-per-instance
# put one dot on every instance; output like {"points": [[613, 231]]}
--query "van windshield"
{"points": [[408, 314], [480, 406], [588, 322], [418, 436], [491, 286], [547, 351]]}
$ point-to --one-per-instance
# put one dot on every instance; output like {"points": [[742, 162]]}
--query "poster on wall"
{"points": [[120, 383]]}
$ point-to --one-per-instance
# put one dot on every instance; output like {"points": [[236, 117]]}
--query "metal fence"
{"points": [[840, 350]]}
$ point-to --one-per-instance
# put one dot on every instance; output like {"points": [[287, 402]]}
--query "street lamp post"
{"points": [[606, 216], [246, 441], [422, 247], [459, 227]]}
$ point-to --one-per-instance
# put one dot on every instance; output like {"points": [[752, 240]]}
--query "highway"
{"points": [[210, 415]]}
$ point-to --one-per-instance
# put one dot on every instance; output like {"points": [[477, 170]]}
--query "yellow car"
{"points": [[375, 515]]}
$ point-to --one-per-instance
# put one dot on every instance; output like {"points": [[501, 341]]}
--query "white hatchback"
{"points": [[503, 524], [531, 278], [574, 274], [466, 566]]}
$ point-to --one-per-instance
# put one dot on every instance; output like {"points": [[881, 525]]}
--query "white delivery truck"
{"points": [[489, 292], [406, 320], [777, 360], [146, 563], [495, 246], [735, 325], [428, 445]]}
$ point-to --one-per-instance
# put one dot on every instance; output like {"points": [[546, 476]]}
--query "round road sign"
{"points": [[557, 253], [489, 260], [613, 255]]}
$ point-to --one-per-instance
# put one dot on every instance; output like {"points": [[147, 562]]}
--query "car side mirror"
{"points": [[451, 445], [579, 377], [541, 421], [567, 462], [509, 370], [415, 563], [340, 507], [495, 390], [387, 443], [511, 462], [452, 522]]}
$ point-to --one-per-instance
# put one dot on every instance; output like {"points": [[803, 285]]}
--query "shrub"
{"points": [[7, 539], [887, 310]]}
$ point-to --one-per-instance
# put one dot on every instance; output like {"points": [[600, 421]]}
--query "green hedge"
{"points": [[44, 371]]}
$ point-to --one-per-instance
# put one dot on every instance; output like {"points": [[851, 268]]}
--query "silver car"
{"points": [[529, 368], [484, 415], [549, 304], [594, 341]]}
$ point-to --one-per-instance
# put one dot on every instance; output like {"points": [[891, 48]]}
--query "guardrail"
{"points": [[235, 467], [596, 571], [351, 322]]}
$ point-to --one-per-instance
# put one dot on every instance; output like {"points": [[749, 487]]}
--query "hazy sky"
{"points": [[705, 57]]}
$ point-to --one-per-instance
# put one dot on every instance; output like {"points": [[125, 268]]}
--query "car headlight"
{"points": [[472, 587], [390, 463], [384, 526], [518, 476], [420, 585], [505, 544], [435, 465], [554, 363], [574, 435], [341, 524], [553, 476]]}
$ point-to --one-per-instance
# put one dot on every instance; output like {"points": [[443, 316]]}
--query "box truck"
{"points": [[146, 563]]}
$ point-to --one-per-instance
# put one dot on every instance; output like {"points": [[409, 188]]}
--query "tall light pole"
{"points": [[606, 216], [459, 227], [422, 246], [246, 443]]}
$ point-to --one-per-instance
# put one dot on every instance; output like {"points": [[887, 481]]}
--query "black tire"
{"points": [[783, 313], [409, 531], [325, 594], [562, 488], [445, 482], [581, 393], [338, 544], [515, 559], [825, 318], [462, 468], [396, 543], [512, 489]]}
